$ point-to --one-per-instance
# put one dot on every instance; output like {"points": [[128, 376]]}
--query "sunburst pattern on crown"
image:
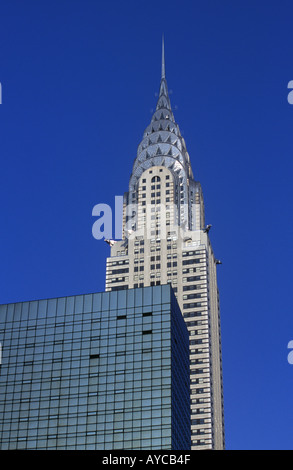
{"points": [[163, 145]]}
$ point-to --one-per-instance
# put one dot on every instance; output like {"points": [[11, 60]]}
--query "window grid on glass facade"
{"points": [[96, 371]]}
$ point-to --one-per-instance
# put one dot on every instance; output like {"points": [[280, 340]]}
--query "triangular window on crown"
{"points": [[158, 152]]}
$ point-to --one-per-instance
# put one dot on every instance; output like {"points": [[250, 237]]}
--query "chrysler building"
{"points": [[166, 240]]}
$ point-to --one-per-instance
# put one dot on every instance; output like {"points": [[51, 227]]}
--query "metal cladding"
{"points": [[163, 145]]}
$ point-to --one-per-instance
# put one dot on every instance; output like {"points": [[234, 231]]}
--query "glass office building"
{"points": [[103, 371]]}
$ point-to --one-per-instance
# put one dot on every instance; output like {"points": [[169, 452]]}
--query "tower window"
{"points": [[155, 178]]}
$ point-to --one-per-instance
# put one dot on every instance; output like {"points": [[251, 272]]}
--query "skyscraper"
{"points": [[165, 240], [101, 371]]}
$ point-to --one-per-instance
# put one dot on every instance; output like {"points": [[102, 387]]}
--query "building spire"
{"points": [[163, 59], [164, 101]]}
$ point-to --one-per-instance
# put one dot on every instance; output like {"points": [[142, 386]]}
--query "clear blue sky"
{"points": [[79, 79]]}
